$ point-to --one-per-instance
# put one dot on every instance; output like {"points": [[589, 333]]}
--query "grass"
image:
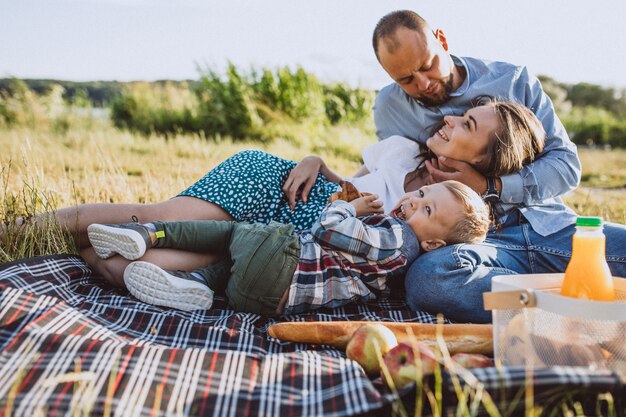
{"points": [[108, 165]]}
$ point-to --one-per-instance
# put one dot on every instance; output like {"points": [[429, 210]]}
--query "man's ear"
{"points": [[432, 244], [441, 37]]}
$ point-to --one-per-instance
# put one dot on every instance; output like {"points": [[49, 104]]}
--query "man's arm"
{"points": [[557, 170], [339, 228]]}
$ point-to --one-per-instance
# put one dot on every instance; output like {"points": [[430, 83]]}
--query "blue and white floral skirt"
{"points": [[248, 185]]}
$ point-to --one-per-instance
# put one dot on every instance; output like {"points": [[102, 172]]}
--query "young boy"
{"points": [[270, 270]]}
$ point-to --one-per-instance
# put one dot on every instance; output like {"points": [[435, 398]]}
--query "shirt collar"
{"points": [[460, 62]]}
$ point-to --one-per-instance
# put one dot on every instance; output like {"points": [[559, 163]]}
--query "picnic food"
{"points": [[407, 362], [348, 193], [410, 361], [587, 274], [472, 360], [468, 338], [369, 342], [615, 346], [520, 347]]}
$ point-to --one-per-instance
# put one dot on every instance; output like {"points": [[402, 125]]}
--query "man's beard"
{"points": [[445, 96]]}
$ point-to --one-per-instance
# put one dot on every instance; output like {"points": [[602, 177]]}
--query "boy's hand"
{"points": [[365, 206]]}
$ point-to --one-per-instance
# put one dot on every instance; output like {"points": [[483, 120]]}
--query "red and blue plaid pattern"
{"points": [[69, 342], [70, 345]]}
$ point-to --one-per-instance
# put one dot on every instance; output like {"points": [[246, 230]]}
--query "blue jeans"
{"points": [[452, 279]]}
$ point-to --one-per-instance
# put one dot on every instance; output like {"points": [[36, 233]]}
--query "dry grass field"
{"points": [[107, 165]]}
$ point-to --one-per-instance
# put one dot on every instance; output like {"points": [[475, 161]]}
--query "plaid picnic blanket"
{"points": [[71, 345]]}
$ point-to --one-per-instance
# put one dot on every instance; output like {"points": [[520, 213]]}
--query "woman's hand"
{"points": [[365, 206], [301, 179], [451, 169]]}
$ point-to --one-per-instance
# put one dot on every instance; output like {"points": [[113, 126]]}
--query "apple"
{"points": [[363, 342], [408, 362], [472, 360]]}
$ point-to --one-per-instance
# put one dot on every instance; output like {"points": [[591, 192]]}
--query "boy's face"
{"points": [[431, 212]]}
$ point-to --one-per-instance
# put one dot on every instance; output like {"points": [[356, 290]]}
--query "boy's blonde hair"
{"points": [[472, 227]]}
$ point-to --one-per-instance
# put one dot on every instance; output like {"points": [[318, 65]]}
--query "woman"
{"points": [[497, 138]]}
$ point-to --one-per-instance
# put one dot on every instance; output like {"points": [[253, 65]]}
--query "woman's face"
{"points": [[466, 137]]}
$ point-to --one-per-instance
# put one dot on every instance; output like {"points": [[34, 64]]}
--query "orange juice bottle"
{"points": [[587, 275]]}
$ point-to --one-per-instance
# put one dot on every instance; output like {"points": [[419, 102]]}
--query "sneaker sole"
{"points": [[107, 241], [153, 285]]}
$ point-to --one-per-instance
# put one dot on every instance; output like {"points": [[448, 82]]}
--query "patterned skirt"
{"points": [[248, 185]]}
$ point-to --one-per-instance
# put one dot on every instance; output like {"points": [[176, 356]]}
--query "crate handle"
{"points": [[509, 300]]}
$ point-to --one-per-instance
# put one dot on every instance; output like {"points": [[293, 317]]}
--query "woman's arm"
{"points": [[557, 169], [302, 178], [325, 170]]}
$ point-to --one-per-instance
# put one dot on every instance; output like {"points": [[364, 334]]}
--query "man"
{"points": [[536, 229]]}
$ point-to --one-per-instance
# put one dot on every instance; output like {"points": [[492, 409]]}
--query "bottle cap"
{"points": [[589, 221]]}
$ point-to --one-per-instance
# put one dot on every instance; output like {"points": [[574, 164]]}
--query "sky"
{"points": [[84, 40]]}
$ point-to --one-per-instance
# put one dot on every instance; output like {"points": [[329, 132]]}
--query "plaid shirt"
{"points": [[344, 259]]}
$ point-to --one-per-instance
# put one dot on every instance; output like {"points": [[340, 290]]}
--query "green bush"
{"points": [[595, 126], [21, 106], [160, 108], [297, 94], [256, 105], [25, 108], [226, 105], [343, 104]]}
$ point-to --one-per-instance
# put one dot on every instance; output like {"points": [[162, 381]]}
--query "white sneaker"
{"points": [[129, 240], [154, 285]]}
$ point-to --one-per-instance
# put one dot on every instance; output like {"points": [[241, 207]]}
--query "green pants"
{"points": [[259, 259]]}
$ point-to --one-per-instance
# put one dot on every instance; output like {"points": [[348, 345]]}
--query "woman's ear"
{"points": [[478, 160], [432, 244], [441, 37]]}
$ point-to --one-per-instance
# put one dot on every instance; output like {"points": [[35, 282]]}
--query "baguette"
{"points": [[466, 338]]}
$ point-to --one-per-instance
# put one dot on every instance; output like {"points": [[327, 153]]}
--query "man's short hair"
{"points": [[389, 23]]}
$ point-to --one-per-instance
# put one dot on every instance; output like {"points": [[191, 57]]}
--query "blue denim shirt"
{"points": [[537, 188]]}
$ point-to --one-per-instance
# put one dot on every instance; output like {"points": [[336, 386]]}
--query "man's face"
{"points": [[419, 65]]}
